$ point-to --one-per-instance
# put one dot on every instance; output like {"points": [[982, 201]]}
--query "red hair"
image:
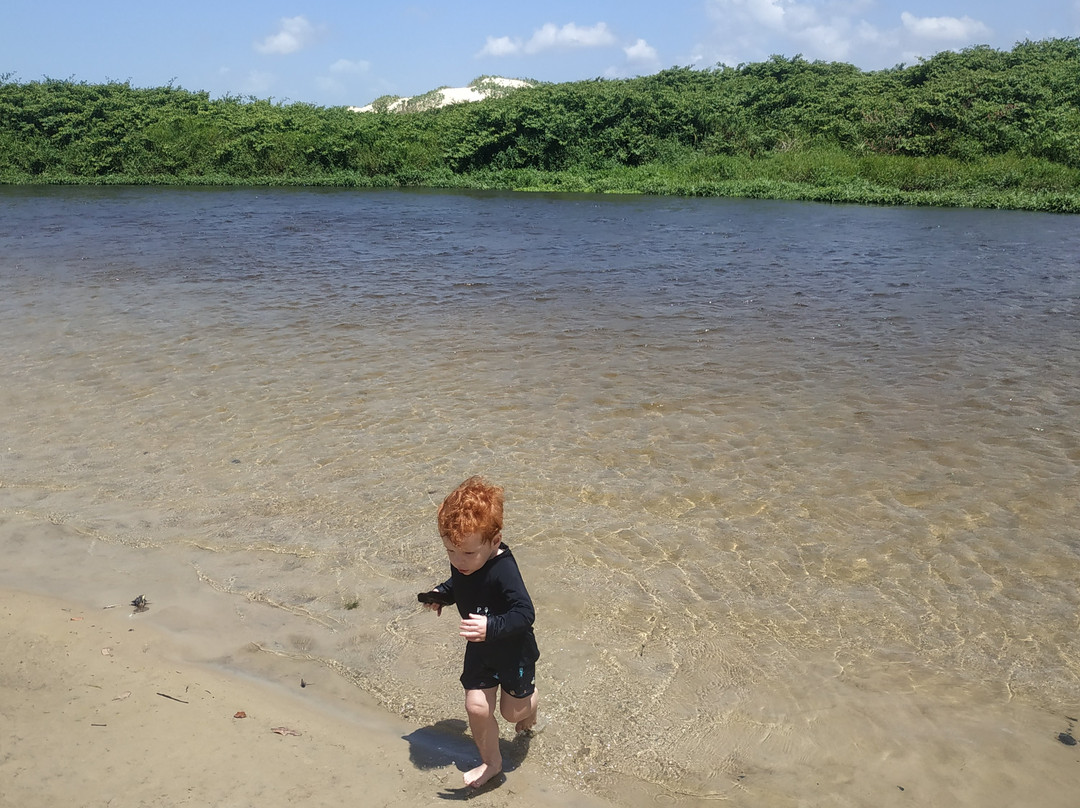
{"points": [[472, 507]]}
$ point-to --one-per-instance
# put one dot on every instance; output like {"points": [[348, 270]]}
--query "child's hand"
{"points": [[474, 628], [434, 599]]}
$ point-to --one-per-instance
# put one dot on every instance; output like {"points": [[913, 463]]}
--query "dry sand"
{"points": [[98, 708]]}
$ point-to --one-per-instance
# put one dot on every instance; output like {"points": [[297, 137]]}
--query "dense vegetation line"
{"points": [[981, 127]]}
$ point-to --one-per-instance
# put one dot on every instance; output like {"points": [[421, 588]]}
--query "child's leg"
{"points": [[480, 705], [519, 712]]}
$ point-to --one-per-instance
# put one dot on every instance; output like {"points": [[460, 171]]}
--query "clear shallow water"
{"points": [[787, 482]]}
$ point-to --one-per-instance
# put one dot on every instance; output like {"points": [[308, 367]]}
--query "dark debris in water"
{"points": [[1066, 737]]}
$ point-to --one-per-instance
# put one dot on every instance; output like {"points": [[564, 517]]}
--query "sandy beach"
{"points": [[97, 708]]}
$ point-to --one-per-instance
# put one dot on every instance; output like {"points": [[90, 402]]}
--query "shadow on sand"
{"points": [[446, 743]]}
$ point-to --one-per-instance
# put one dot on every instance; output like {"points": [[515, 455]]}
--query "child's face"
{"points": [[472, 553]]}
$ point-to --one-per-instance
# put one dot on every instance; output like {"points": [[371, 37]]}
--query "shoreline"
{"points": [[253, 439], [648, 180], [99, 707]]}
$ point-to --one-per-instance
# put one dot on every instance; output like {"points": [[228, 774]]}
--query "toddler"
{"points": [[496, 619]]}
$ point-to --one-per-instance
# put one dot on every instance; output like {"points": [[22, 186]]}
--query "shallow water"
{"points": [[794, 487]]}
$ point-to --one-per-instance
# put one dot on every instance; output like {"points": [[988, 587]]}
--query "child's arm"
{"points": [[520, 614]]}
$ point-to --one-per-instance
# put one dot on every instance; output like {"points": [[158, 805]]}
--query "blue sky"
{"points": [[327, 53]]}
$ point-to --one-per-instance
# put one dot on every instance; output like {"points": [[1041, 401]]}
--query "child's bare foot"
{"points": [[481, 774], [527, 723]]}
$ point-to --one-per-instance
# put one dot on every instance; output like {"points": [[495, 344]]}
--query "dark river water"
{"points": [[794, 487]]}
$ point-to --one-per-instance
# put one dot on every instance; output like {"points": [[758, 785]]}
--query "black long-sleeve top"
{"points": [[497, 591]]}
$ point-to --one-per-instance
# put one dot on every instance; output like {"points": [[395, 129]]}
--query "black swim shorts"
{"points": [[517, 679]]}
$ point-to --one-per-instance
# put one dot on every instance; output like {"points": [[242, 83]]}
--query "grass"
{"points": [[821, 175]]}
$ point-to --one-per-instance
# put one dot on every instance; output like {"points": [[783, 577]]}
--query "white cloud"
{"points": [[819, 30], [769, 13], [841, 30], [772, 13], [569, 36], [294, 33], [829, 41], [500, 46], [838, 30], [641, 52], [348, 66], [550, 36], [957, 29]]}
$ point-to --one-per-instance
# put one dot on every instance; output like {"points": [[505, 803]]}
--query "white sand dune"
{"points": [[478, 90]]}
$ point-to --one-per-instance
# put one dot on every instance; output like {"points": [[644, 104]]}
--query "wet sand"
{"points": [[97, 708]]}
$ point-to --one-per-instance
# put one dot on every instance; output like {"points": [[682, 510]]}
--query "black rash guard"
{"points": [[497, 591]]}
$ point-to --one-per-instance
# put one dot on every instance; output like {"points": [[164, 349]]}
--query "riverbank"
{"points": [[1005, 182], [99, 708], [978, 129]]}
